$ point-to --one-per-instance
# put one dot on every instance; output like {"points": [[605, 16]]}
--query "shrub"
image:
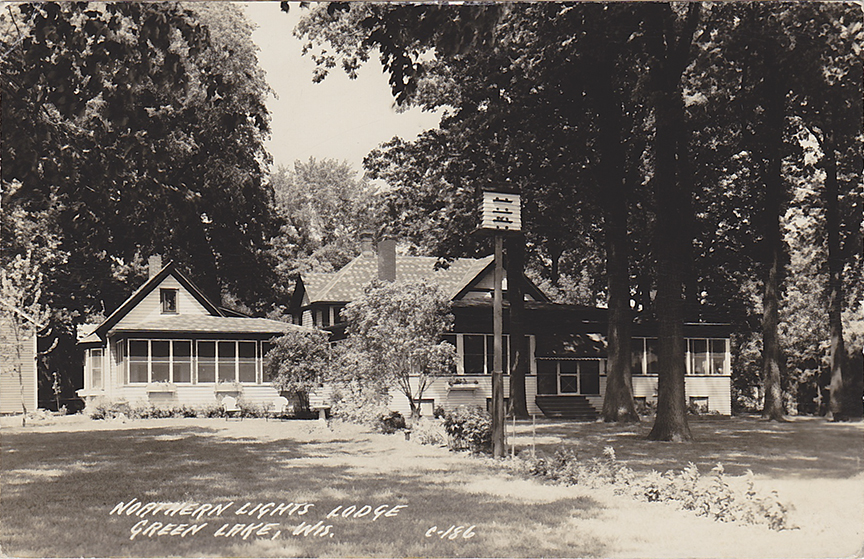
{"points": [[712, 496], [469, 428], [391, 422], [429, 431], [356, 403], [105, 409], [297, 362]]}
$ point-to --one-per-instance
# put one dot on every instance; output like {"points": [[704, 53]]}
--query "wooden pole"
{"points": [[513, 441], [498, 449]]}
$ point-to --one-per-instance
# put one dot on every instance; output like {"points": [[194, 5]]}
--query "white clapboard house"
{"points": [[167, 345]]}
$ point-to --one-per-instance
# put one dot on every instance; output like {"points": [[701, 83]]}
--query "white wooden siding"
{"points": [[10, 387], [717, 388], [195, 395], [150, 308]]}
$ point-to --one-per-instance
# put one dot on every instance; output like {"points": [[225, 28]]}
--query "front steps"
{"points": [[566, 407]]}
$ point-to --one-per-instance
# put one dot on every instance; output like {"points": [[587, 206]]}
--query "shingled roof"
{"points": [[348, 283], [181, 324]]}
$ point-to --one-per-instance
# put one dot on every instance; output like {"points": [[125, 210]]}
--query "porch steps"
{"points": [[566, 407]]}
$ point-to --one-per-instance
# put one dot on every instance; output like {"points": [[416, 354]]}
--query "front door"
{"points": [[568, 376]]}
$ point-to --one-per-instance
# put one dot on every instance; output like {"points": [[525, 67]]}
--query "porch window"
{"points": [[160, 364], [182, 360], [547, 377], [451, 339], [478, 353], [226, 360], [160, 361], [246, 361], [490, 353], [719, 351], [706, 356], [474, 353], [139, 355], [168, 297], [645, 360], [206, 361], [652, 361], [96, 368]]}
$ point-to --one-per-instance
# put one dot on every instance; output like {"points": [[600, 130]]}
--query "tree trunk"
{"points": [[837, 351], [519, 363], [669, 249], [771, 352], [672, 204], [772, 359], [618, 404]]}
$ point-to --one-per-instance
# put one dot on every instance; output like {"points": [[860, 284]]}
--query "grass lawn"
{"points": [[60, 483]]}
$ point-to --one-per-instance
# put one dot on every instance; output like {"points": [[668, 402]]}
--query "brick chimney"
{"points": [[387, 259], [367, 245], [154, 264]]}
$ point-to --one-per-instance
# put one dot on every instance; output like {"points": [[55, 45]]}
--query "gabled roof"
{"points": [[145, 290], [348, 283]]}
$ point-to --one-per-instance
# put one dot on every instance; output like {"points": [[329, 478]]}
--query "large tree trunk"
{"points": [[772, 356], [618, 404], [519, 363], [670, 253], [837, 351], [672, 203]]}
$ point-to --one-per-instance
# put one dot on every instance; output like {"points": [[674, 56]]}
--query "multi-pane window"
{"points": [[705, 356], [478, 353], [96, 368], [175, 361]]}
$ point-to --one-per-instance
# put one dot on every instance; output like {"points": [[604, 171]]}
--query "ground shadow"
{"points": [[802, 447], [59, 489]]}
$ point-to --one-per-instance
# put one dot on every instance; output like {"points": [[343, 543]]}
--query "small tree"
{"points": [[22, 313], [298, 362], [400, 325]]}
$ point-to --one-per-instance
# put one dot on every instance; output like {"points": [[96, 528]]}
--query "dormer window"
{"points": [[169, 300]]}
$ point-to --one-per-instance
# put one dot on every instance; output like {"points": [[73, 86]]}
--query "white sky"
{"points": [[338, 118]]}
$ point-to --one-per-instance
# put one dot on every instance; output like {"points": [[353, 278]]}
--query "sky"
{"points": [[339, 118]]}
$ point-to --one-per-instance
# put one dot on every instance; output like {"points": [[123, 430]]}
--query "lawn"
{"points": [[366, 494]]}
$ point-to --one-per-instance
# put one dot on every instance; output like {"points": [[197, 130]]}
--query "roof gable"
{"points": [[130, 304], [348, 283]]}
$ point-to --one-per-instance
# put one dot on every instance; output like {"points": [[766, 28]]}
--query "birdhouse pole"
{"points": [[501, 214]]}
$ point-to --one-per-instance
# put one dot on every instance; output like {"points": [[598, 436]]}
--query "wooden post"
{"points": [[513, 442], [533, 435], [498, 449]]}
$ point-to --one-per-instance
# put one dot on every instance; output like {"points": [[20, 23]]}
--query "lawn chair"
{"points": [[230, 407], [279, 408]]}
